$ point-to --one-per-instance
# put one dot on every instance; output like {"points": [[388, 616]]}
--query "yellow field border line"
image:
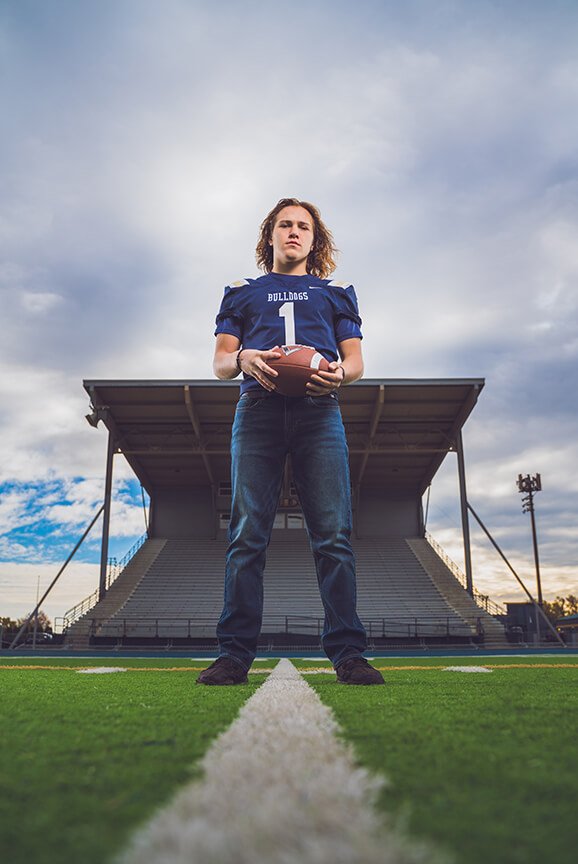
{"points": [[425, 668], [58, 668], [531, 665]]}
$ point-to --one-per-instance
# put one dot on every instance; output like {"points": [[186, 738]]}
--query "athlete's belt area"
{"points": [[250, 396], [328, 398]]}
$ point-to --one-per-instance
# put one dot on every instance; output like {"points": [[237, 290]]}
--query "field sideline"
{"points": [[483, 766]]}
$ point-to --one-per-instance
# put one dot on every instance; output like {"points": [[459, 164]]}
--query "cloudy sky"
{"points": [[141, 145]]}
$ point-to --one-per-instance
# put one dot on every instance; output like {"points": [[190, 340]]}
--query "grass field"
{"points": [[485, 765], [87, 757]]}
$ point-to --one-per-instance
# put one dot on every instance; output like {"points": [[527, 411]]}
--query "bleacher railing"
{"points": [[482, 600], [115, 567], [403, 627], [113, 571]]}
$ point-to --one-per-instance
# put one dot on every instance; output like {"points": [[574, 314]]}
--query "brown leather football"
{"points": [[295, 367]]}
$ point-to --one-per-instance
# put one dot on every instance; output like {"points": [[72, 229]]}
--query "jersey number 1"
{"points": [[287, 311]]}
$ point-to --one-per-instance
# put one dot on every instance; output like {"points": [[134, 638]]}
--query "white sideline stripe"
{"points": [[279, 788], [100, 670], [467, 669]]}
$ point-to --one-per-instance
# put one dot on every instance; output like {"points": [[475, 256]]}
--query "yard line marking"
{"points": [[100, 670], [278, 787], [467, 669]]}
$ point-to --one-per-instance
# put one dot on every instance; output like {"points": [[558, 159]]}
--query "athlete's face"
{"points": [[292, 239]]}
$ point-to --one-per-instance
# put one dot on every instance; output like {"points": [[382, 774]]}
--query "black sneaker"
{"points": [[357, 670], [223, 671]]}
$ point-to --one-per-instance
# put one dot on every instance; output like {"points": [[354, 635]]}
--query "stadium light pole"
{"points": [[528, 486]]}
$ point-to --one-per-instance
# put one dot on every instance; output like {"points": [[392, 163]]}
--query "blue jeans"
{"points": [[265, 430]]}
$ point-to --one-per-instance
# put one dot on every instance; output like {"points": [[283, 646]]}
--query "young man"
{"points": [[293, 303]]}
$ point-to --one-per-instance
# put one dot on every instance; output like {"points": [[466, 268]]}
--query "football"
{"points": [[295, 367]]}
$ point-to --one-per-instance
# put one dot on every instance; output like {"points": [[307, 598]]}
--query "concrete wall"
{"points": [[379, 515], [183, 514]]}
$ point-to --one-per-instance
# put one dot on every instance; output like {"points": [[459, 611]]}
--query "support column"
{"points": [[464, 511], [106, 516]]}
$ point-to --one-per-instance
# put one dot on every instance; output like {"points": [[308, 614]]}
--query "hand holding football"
{"points": [[295, 367]]}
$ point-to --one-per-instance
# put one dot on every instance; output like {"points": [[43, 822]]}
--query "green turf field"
{"points": [[484, 764], [86, 757]]}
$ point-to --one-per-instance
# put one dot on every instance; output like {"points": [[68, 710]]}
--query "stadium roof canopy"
{"points": [[178, 432]]}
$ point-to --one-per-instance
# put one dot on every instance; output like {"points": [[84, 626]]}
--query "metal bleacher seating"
{"points": [[181, 593]]}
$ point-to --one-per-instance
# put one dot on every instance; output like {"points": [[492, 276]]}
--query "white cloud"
{"points": [[68, 504], [44, 431], [492, 576], [10, 550], [126, 518], [13, 506], [19, 584], [39, 301]]}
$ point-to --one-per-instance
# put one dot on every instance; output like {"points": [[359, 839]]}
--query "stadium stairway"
{"points": [[456, 595], [78, 634]]}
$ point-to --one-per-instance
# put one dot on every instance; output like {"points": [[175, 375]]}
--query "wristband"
{"points": [[238, 360]]}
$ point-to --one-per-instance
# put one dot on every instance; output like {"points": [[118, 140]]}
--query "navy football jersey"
{"points": [[277, 309]]}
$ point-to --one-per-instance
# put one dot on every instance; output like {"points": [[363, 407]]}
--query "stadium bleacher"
{"points": [[173, 589]]}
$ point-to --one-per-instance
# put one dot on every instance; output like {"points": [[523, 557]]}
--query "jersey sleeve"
{"points": [[230, 316], [347, 319]]}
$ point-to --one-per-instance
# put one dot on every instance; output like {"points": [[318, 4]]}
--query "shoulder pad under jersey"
{"points": [[238, 284], [335, 284]]}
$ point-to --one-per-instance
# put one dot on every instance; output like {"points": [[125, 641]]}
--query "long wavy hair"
{"points": [[320, 261]]}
